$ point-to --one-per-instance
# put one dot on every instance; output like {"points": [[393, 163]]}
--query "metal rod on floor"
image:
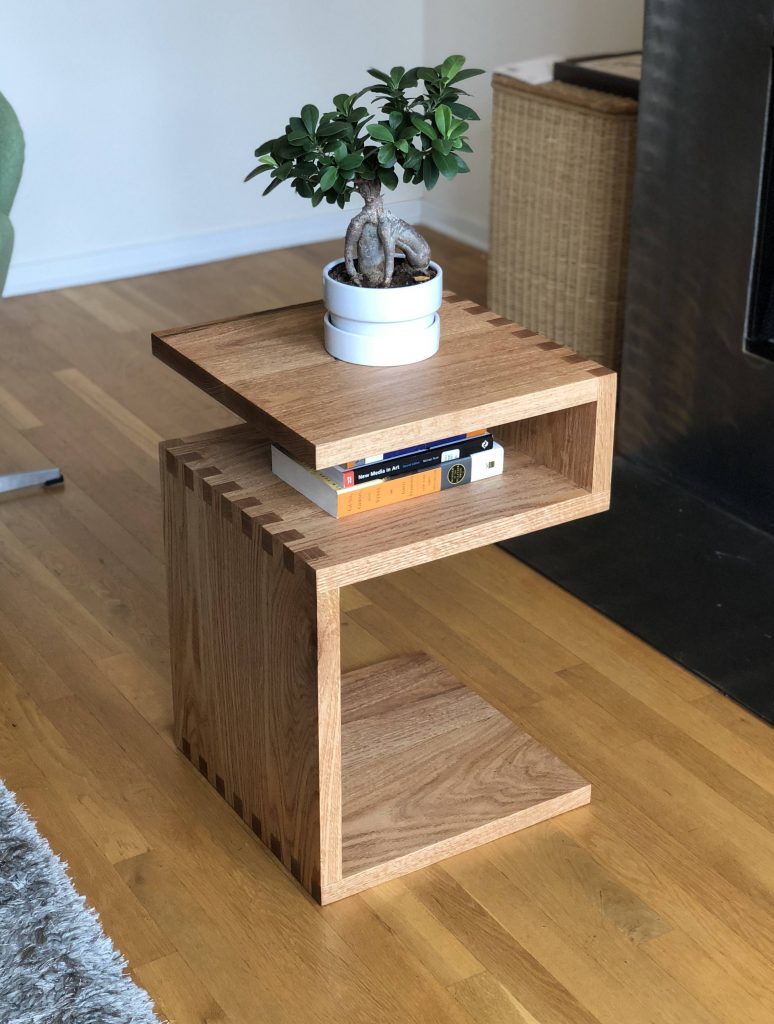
{"points": [[36, 478]]}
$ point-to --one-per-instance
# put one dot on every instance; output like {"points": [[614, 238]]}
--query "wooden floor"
{"points": [[651, 906]]}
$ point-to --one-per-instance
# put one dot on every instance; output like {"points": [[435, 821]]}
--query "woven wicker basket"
{"points": [[562, 170]]}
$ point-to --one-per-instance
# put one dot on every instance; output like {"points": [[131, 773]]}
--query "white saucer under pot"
{"points": [[382, 326]]}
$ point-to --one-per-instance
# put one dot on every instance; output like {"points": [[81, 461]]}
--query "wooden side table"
{"points": [[351, 780]]}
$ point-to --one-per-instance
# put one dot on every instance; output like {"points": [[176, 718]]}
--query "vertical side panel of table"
{"points": [[250, 640], [576, 441]]}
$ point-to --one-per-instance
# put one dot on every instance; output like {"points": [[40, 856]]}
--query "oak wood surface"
{"points": [[429, 767], [246, 706], [271, 369], [527, 496], [652, 905], [346, 797]]}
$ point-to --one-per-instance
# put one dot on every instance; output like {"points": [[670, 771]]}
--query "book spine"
{"points": [[414, 463], [350, 502], [443, 442], [457, 473]]}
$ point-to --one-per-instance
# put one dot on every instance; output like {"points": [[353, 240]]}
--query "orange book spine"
{"points": [[388, 492]]}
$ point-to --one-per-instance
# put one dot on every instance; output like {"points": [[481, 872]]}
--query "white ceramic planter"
{"points": [[382, 326]]}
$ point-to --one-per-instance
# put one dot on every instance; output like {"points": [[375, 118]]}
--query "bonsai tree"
{"points": [[356, 149]]}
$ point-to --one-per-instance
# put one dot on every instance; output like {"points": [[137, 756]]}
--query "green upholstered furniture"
{"points": [[11, 162]]}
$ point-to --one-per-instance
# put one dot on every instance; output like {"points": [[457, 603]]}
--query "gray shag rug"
{"points": [[57, 966]]}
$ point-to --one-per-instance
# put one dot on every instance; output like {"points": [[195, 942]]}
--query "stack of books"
{"points": [[391, 477]]}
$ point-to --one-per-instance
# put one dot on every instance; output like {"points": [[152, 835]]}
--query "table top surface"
{"points": [[271, 369]]}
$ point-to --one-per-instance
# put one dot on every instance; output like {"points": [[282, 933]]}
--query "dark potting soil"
{"points": [[403, 276]]}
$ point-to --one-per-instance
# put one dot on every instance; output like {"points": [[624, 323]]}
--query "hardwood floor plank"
{"points": [[144, 688], [234, 978], [488, 1002], [535, 984], [95, 878], [709, 750], [359, 647], [32, 596], [436, 947], [90, 575], [612, 900], [591, 637], [727, 994], [146, 439], [15, 413], [74, 514], [676, 881], [415, 993], [478, 614], [589, 955], [392, 605], [178, 992], [20, 658], [733, 842]]}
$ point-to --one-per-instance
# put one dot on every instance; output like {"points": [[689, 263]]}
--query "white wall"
{"points": [[141, 117], [494, 32]]}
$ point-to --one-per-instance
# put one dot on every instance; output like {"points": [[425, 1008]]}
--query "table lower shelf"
{"points": [[430, 769]]}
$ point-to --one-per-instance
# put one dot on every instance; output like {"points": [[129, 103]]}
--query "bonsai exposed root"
{"points": [[374, 235]]}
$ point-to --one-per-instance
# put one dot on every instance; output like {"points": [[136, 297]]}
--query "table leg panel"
{"points": [[244, 653]]}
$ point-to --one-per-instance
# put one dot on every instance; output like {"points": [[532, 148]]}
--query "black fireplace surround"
{"points": [[685, 558]]}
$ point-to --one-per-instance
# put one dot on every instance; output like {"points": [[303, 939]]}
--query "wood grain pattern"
{"points": [[212, 924], [272, 370], [329, 738], [528, 496], [245, 648], [367, 795], [430, 769], [262, 711]]}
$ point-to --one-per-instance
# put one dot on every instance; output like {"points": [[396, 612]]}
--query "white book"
{"points": [[341, 501]]}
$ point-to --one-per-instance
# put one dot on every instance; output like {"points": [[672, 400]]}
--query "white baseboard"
{"points": [[149, 258], [29, 276]]}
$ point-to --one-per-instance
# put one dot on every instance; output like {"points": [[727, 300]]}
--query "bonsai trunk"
{"points": [[374, 235]]}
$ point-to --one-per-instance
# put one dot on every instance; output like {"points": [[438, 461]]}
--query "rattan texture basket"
{"points": [[562, 172]]}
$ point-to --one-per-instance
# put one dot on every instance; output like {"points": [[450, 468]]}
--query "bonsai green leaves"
{"points": [[317, 154], [409, 122]]}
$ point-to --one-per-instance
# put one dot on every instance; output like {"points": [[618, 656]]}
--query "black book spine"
{"points": [[426, 459]]}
